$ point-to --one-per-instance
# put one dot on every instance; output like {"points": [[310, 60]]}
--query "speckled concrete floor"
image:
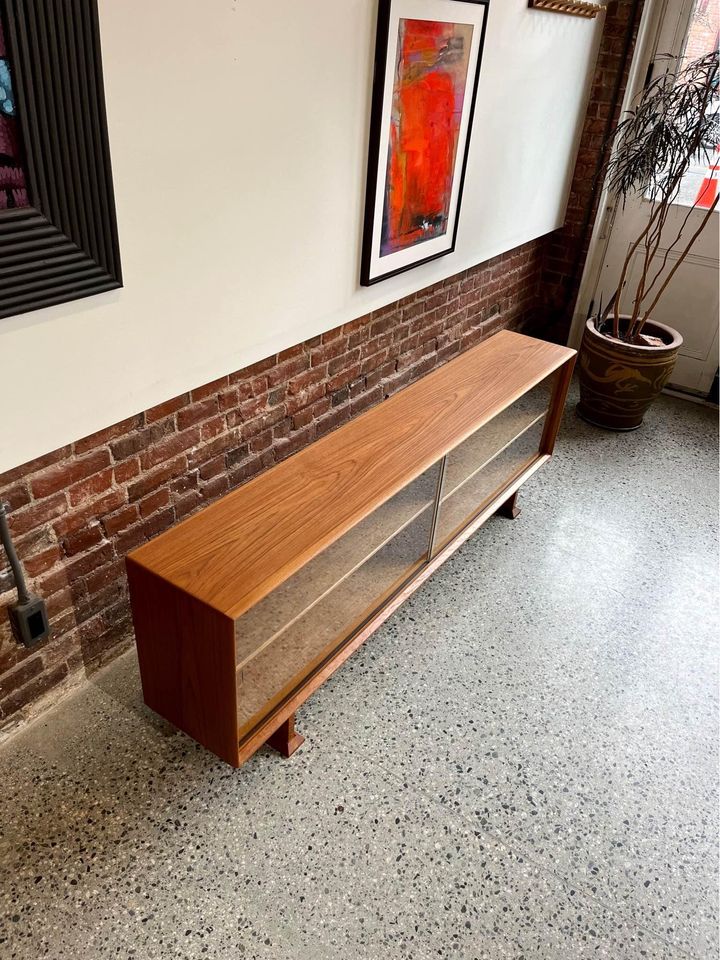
{"points": [[522, 763]]}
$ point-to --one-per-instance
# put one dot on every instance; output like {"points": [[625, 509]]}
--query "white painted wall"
{"points": [[238, 134]]}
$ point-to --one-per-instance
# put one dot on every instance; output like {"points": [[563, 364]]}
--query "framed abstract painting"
{"points": [[58, 235], [427, 63]]}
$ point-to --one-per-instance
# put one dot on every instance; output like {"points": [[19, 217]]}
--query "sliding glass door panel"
{"points": [[287, 657], [463, 501], [288, 601], [490, 440]]}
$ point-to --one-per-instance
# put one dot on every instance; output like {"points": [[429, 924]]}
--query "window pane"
{"points": [[699, 185]]}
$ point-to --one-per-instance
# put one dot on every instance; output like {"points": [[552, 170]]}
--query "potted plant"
{"points": [[627, 358]]}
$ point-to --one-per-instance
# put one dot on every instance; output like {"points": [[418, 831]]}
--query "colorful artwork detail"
{"points": [[13, 191], [427, 106]]}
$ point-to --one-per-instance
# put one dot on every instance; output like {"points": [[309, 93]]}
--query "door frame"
{"points": [[651, 30]]}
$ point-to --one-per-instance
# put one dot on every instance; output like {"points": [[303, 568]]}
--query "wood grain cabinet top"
{"points": [[235, 552]]}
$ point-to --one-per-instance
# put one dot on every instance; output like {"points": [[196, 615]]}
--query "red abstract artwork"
{"points": [[13, 192], [428, 94]]}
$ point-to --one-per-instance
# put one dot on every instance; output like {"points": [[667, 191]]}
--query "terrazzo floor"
{"points": [[523, 762]]}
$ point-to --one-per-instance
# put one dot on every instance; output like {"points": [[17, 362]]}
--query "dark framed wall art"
{"points": [[427, 63], [58, 234]]}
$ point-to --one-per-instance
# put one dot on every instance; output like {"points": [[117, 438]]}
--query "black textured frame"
{"points": [[381, 55], [64, 245]]}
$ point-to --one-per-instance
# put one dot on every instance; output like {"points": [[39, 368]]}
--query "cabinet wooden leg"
{"points": [[286, 739], [510, 508]]}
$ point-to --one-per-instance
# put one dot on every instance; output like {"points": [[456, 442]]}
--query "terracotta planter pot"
{"points": [[619, 381]]}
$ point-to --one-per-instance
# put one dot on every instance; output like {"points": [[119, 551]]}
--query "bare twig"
{"points": [[684, 254], [671, 246]]}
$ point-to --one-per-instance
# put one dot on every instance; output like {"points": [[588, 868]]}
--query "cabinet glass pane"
{"points": [[497, 434], [283, 638], [468, 491]]}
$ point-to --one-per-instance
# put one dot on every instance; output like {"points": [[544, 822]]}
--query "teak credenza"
{"points": [[244, 609]]}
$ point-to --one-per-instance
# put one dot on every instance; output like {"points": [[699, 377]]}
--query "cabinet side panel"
{"points": [[563, 378], [187, 661]]}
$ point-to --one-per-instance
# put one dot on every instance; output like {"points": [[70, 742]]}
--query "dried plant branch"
{"points": [[682, 256], [623, 275], [671, 246], [652, 245], [652, 242]]}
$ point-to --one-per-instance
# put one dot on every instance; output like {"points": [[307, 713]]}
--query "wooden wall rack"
{"points": [[572, 8], [244, 609]]}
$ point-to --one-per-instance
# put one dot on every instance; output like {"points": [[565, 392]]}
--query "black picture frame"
{"points": [[379, 73], [63, 246]]}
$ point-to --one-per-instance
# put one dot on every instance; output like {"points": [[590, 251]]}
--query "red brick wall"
{"points": [[568, 247], [704, 29], [77, 511]]}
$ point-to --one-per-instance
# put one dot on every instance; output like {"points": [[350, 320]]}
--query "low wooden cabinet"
{"points": [[244, 609]]}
